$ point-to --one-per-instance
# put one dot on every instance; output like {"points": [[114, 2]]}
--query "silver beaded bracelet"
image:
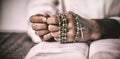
{"points": [[63, 28]]}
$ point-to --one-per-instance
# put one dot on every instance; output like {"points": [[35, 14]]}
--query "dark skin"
{"points": [[47, 27]]}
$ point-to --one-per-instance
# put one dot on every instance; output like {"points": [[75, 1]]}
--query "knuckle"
{"points": [[52, 20], [57, 39], [49, 27], [43, 19], [47, 36], [53, 28], [35, 18], [39, 26], [33, 26], [55, 34], [49, 20], [36, 32]]}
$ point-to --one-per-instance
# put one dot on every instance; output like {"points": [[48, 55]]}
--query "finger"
{"points": [[55, 34], [57, 39], [69, 39], [47, 37], [39, 26], [41, 32], [37, 19], [53, 20], [71, 24], [53, 28]]}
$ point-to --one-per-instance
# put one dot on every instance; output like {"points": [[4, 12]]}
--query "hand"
{"points": [[39, 24], [54, 28], [91, 29]]}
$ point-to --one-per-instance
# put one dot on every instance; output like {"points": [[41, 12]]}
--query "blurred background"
{"points": [[14, 42], [13, 15]]}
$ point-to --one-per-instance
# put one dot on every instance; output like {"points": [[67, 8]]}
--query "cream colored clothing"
{"points": [[55, 50], [105, 49], [89, 9]]}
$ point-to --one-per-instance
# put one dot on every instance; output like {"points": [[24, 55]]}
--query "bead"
{"points": [[63, 28]]}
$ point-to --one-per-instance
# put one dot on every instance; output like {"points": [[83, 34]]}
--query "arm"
{"points": [[93, 29]]}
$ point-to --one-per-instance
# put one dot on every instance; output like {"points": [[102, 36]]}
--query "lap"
{"points": [[105, 49], [55, 50]]}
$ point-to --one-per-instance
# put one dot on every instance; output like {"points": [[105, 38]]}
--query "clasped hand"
{"points": [[47, 27]]}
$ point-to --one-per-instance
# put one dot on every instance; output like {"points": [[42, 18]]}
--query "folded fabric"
{"points": [[55, 50]]}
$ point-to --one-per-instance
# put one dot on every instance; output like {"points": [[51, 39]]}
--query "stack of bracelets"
{"points": [[63, 27]]}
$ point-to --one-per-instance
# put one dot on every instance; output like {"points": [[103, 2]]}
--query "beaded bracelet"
{"points": [[79, 27], [63, 28]]}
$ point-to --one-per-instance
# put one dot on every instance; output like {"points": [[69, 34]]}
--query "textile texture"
{"points": [[14, 45]]}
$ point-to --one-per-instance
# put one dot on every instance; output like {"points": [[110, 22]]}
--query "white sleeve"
{"points": [[39, 7]]}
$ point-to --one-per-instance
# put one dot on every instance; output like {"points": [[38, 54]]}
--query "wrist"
{"points": [[96, 30]]}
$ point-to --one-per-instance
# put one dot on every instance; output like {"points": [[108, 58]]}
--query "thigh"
{"points": [[55, 50], [105, 49]]}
